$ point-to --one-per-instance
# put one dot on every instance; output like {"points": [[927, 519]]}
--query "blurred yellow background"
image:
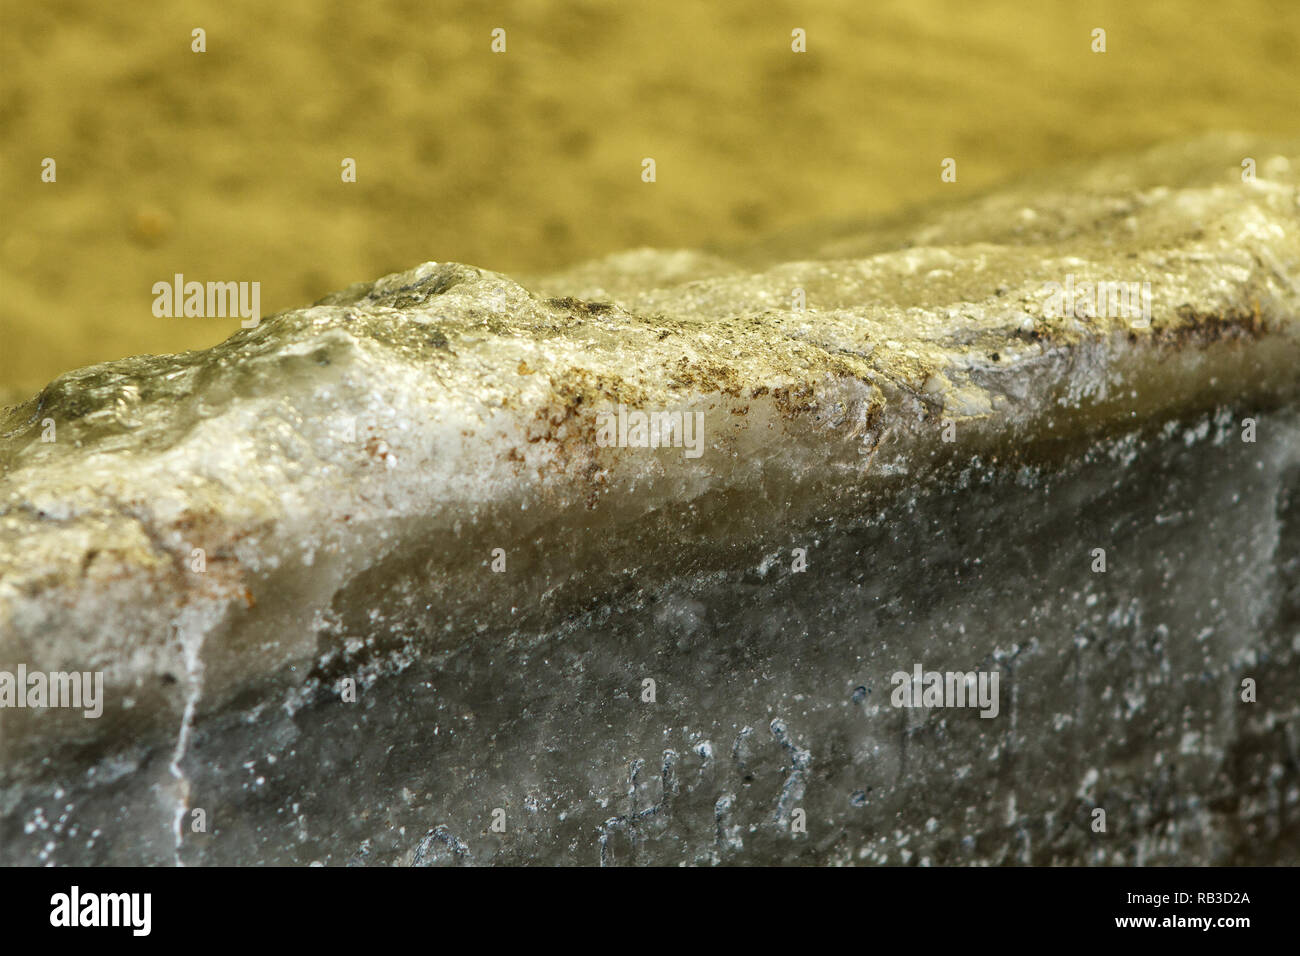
{"points": [[225, 165]]}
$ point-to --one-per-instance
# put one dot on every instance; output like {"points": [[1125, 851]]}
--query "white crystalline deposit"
{"points": [[446, 456]]}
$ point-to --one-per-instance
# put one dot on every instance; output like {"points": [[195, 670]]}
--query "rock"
{"points": [[396, 579]]}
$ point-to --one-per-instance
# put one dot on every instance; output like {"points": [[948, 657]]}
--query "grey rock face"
{"points": [[902, 446]]}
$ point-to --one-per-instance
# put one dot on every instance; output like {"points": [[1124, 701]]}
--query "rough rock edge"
{"points": [[473, 398]]}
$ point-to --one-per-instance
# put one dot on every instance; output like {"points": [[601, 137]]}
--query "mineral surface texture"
{"points": [[669, 558]]}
